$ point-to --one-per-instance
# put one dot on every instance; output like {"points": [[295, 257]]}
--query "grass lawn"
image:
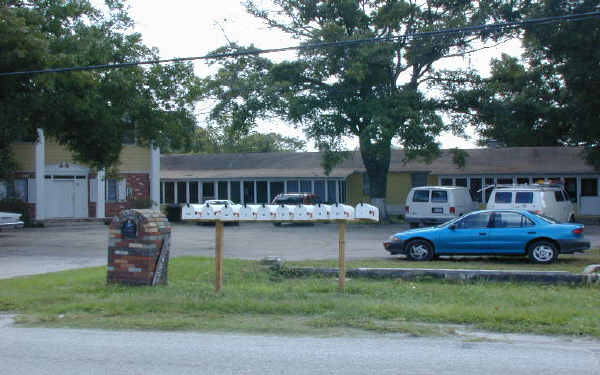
{"points": [[258, 301], [574, 263]]}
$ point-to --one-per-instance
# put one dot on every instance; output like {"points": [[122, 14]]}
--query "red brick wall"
{"points": [[138, 187]]}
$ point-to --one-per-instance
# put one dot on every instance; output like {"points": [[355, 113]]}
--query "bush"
{"points": [[17, 206]]}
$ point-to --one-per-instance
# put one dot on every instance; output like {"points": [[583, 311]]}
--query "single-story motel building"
{"points": [[259, 177], [55, 185]]}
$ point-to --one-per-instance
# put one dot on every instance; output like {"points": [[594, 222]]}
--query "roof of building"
{"points": [[505, 160]]}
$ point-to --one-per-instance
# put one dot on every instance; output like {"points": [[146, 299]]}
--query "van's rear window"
{"points": [[439, 196], [524, 197], [421, 196], [503, 197]]}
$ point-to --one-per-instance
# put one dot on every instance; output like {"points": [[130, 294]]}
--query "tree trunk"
{"points": [[376, 159]]}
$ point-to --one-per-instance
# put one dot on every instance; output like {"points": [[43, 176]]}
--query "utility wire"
{"points": [[343, 43]]}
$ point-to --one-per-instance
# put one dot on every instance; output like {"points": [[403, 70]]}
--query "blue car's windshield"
{"points": [[449, 222]]}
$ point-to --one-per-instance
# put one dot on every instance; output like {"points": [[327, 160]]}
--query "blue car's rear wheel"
{"points": [[419, 250], [542, 252]]}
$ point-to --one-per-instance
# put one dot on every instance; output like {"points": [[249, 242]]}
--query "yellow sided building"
{"points": [[55, 185]]}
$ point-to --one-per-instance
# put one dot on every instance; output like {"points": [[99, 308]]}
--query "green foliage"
{"points": [[213, 140], [549, 97], [371, 91], [91, 112], [459, 157]]}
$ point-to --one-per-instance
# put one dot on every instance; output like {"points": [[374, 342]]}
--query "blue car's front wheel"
{"points": [[542, 252], [419, 250]]}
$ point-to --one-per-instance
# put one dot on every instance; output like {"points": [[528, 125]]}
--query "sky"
{"points": [[183, 28]]}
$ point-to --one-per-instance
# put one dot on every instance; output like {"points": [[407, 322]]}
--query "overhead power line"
{"points": [[459, 30]]}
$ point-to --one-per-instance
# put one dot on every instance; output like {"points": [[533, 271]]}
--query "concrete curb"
{"points": [[544, 277]]}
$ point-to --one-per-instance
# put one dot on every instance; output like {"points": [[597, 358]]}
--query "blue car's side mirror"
{"points": [[452, 227]]}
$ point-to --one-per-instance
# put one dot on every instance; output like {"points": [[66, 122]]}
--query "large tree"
{"points": [[548, 97], [372, 91], [93, 111], [212, 140]]}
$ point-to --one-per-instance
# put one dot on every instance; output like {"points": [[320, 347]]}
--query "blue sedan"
{"points": [[496, 232]]}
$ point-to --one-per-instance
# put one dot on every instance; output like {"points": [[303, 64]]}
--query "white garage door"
{"points": [[66, 196]]}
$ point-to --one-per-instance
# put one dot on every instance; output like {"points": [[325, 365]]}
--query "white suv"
{"points": [[549, 200], [437, 204]]}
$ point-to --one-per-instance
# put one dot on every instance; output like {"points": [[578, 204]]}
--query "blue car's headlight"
{"points": [[393, 238]]}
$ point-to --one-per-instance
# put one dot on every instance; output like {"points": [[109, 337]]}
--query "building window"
{"points": [[589, 187], [181, 192], [504, 181], [15, 189], [342, 186], [276, 189], [305, 186], [475, 189], [169, 192], [222, 190], [235, 191], [522, 180], [331, 193], [292, 186], [249, 192], [208, 191], [261, 192], [320, 190], [461, 182], [447, 182], [112, 190], [419, 179], [194, 192], [571, 188]]}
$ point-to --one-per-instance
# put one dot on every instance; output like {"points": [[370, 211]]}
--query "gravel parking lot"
{"points": [[40, 250]]}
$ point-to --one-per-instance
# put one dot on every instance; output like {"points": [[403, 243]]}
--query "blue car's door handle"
{"points": [[482, 233], [530, 232]]}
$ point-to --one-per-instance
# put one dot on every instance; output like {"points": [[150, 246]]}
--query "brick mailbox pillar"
{"points": [[138, 248]]}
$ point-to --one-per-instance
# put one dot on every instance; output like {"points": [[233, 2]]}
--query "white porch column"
{"points": [[101, 194], [40, 174], [242, 201], [155, 177]]}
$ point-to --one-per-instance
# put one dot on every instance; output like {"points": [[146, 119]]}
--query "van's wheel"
{"points": [[419, 250], [542, 252], [413, 225]]}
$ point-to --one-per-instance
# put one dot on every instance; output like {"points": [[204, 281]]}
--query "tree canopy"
{"points": [[548, 96], [371, 91], [91, 112], [212, 140]]}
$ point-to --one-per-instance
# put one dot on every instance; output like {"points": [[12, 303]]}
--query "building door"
{"points": [[66, 196]]}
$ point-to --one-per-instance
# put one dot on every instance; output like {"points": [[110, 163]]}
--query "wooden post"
{"points": [[342, 256], [219, 256]]}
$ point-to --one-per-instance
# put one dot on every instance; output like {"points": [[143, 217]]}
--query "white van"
{"points": [[549, 200], [437, 204]]}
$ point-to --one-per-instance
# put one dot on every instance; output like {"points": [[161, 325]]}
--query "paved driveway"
{"points": [[40, 250]]}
